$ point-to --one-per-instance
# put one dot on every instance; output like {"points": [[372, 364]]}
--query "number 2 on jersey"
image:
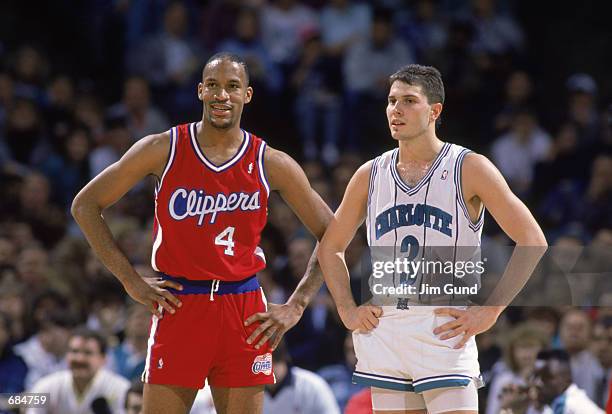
{"points": [[226, 238]]}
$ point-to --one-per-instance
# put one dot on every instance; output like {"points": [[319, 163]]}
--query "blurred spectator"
{"points": [[24, 131], [107, 308], [581, 109], [128, 358], [142, 117], [318, 102], [556, 389], [495, 33], [425, 30], [133, 398], [575, 331], [360, 403], [116, 142], [218, 21], [13, 369], [31, 69], [369, 62], [246, 43], [339, 376], [596, 210], [44, 352], [34, 206], [520, 354], [68, 168], [518, 93], [307, 342], [59, 110], [517, 152], [367, 66], [33, 269], [86, 386], [283, 24], [343, 23], [297, 389], [169, 61], [602, 348], [13, 304]]}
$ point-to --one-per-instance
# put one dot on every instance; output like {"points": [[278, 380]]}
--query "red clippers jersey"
{"points": [[209, 218]]}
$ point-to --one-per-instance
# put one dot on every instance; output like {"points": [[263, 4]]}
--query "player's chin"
{"points": [[222, 123]]}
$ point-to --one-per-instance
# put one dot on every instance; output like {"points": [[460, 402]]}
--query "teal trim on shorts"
{"points": [[390, 383], [442, 383]]}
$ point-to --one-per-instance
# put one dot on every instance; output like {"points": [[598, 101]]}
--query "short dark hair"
{"points": [[232, 57], [84, 332], [427, 77]]}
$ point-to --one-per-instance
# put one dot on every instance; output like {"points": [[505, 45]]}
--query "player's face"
{"points": [[408, 112], [224, 92], [84, 357]]}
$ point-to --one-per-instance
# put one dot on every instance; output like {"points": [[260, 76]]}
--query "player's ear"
{"points": [[200, 88], [436, 110], [249, 95]]}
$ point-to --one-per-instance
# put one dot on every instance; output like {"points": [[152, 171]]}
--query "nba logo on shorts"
{"points": [[262, 363]]}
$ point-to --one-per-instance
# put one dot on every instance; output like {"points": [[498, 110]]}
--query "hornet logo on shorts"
{"points": [[263, 364]]}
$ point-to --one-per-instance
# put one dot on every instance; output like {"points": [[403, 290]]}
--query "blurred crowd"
{"points": [[319, 70]]}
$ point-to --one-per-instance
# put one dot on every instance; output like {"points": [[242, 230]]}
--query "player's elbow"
{"points": [[533, 238], [79, 207], [76, 209]]}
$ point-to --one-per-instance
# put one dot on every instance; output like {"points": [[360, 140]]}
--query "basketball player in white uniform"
{"points": [[420, 356]]}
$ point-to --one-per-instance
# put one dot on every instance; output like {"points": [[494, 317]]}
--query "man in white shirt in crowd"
{"points": [[44, 352], [86, 387], [557, 392], [296, 389]]}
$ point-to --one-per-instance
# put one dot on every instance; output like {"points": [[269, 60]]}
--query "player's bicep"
{"points": [[286, 176], [352, 211], [485, 181], [145, 157]]}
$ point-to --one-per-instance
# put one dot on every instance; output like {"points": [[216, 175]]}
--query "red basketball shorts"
{"points": [[206, 337]]}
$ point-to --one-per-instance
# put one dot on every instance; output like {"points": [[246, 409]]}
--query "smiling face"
{"points": [[408, 111], [224, 90]]}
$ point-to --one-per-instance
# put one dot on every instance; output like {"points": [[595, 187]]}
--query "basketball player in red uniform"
{"points": [[210, 319]]}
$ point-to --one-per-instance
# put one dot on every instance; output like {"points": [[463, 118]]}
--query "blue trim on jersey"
{"points": [[457, 178], [206, 161], [382, 381], [413, 190], [198, 287]]}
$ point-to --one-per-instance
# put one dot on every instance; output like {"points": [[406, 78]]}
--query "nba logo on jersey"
{"points": [[444, 174], [263, 364], [160, 363]]}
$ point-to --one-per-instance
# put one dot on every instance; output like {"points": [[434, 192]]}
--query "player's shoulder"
{"points": [[475, 164]]}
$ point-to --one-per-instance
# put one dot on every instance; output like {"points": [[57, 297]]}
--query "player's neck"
{"points": [[421, 148], [209, 136]]}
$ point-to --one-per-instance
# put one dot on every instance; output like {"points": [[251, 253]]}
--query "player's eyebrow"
{"points": [[403, 96]]}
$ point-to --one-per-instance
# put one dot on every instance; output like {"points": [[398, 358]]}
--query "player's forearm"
{"points": [[337, 278], [309, 284], [521, 265], [100, 238]]}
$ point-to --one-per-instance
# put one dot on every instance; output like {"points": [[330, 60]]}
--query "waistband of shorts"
{"points": [[221, 287]]}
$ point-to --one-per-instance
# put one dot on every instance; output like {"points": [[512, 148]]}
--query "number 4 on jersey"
{"points": [[226, 238]]}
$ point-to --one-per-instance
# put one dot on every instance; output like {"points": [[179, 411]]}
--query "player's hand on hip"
{"points": [[469, 322], [153, 293], [362, 318], [274, 323]]}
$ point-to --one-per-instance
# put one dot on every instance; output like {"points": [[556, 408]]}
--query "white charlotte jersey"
{"points": [[425, 222]]}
